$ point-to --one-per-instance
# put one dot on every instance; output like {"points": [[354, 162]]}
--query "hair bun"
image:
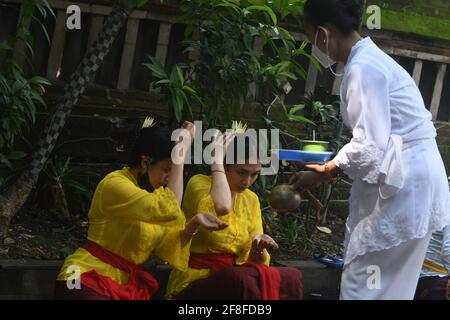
{"points": [[346, 15]]}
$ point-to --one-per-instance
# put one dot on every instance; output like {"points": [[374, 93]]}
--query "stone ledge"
{"points": [[34, 279]]}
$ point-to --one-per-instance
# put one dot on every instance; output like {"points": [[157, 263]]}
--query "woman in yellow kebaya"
{"points": [[135, 211], [231, 263]]}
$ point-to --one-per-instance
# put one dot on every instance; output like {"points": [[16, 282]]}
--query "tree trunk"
{"points": [[11, 202], [18, 193]]}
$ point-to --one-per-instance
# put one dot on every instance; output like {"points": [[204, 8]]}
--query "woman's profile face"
{"points": [[241, 176], [324, 38], [158, 173], [311, 32]]}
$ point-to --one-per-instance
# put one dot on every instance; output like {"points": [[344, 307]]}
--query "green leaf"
{"points": [[163, 81], [300, 119], [75, 185], [300, 70], [313, 60], [296, 109], [39, 80], [189, 90], [27, 9], [174, 77], [287, 34], [38, 98], [44, 29], [180, 74], [229, 5], [266, 9], [289, 75], [157, 68], [177, 104]]}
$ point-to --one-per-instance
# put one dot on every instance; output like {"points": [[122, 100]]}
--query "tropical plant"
{"points": [[226, 71], [19, 96], [176, 86], [15, 196], [60, 181]]}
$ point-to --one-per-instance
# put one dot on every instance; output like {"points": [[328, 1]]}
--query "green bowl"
{"points": [[320, 146]]}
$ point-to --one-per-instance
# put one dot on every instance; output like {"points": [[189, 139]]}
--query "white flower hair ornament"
{"points": [[239, 126], [148, 122]]}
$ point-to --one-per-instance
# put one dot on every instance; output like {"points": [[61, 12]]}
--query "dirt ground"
{"points": [[43, 235]]}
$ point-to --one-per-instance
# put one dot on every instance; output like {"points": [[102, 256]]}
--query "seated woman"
{"points": [[231, 263], [135, 211], [434, 281]]}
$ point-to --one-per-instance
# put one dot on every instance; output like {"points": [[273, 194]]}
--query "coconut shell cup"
{"points": [[283, 199]]}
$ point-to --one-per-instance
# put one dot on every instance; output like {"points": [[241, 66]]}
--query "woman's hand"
{"points": [[259, 243], [307, 180], [263, 241], [190, 128], [205, 220], [210, 221], [183, 141], [219, 147]]}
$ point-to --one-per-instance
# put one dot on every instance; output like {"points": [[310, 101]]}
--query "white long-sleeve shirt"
{"points": [[399, 190]]}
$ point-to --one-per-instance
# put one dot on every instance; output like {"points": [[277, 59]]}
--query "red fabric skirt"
{"points": [[242, 283], [250, 281], [140, 286]]}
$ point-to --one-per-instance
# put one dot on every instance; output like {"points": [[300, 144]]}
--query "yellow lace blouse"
{"points": [[131, 223], [243, 223]]}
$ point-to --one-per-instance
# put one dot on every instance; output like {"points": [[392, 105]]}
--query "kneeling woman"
{"points": [[135, 211], [232, 263]]}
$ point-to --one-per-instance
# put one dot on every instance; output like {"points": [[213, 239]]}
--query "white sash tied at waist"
{"points": [[391, 178], [391, 171]]}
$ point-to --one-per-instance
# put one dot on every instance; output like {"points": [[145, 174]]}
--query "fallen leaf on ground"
{"points": [[324, 230]]}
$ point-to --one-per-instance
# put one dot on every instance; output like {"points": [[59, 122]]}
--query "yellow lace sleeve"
{"points": [[170, 249], [120, 197]]}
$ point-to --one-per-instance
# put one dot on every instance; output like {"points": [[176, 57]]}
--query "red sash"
{"points": [[269, 278], [141, 285], [213, 261]]}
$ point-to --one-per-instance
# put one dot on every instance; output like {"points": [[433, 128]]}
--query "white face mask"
{"points": [[322, 58]]}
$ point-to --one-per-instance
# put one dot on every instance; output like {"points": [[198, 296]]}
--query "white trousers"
{"points": [[390, 274]]}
